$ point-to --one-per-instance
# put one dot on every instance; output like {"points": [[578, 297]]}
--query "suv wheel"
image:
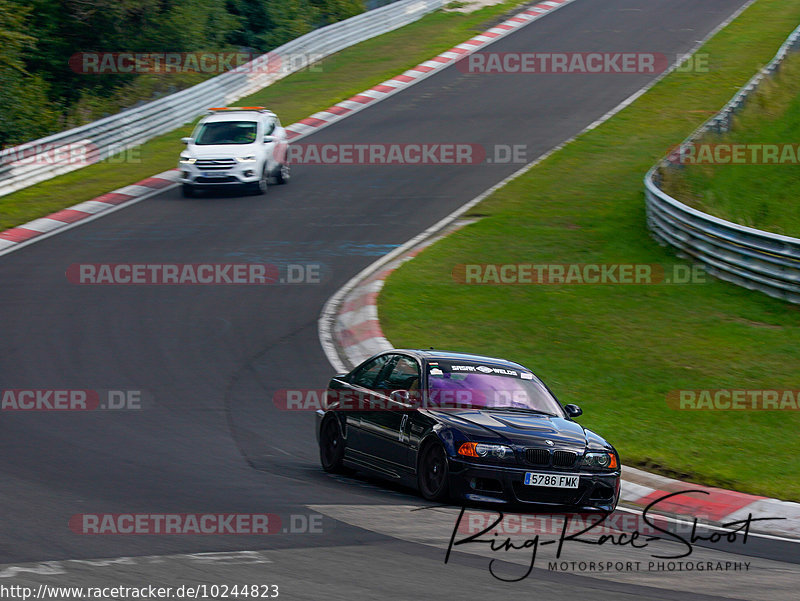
{"points": [[187, 190], [260, 187], [283, 174]]}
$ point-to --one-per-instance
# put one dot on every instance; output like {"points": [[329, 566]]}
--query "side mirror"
{"points": [[400, 396], [186, 140], [338, 382], [573, 410], [269, 139]]}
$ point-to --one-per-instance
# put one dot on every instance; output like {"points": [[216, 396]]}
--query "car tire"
{"points": [[331, 446], [283, 174], [433, 473], [261, 186], [187, 190]]}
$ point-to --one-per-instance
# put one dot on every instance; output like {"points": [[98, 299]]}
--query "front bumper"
{"points": [[236, 174], [483, 483]]}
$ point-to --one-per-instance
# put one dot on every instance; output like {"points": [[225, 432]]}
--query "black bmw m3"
{"points": [[467, 428]]}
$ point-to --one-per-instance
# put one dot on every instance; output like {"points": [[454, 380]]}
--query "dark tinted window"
{"points": [[366, 374], [404, 375], [226, 132]]}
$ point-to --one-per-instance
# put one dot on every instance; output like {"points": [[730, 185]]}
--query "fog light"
{"points": [[248, 173], [185, 174]]}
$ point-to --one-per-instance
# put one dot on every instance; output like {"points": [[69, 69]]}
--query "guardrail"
{"points": [[117, 133], [746, 256]]}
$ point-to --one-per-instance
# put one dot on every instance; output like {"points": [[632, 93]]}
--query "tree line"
{"points": [[41, 94]]}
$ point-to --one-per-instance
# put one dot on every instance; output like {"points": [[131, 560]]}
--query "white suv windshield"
{"points": [[226, 132]]}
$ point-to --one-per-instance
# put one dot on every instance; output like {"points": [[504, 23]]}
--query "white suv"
{"points": [[235, 146]]}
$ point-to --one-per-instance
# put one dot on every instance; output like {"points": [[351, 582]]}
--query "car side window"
{"points": [[367, 374], [404, 375]]}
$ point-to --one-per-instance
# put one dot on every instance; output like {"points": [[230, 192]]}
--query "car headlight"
{"points": [[250, 159], [485, 450], [600, 460], [187, 160]]}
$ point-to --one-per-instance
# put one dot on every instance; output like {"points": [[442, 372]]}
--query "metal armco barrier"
{"points": [[746, 256], [44, 158]]}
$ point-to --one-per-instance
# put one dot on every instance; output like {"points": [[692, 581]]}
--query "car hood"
{"points": [[519, 428]]}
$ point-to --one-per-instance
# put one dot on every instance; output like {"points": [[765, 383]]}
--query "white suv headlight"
{"points": [[250, 159], [187, 160]]}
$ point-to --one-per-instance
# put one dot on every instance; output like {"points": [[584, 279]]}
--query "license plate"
{"points": [[214, 174], [551, 480]]}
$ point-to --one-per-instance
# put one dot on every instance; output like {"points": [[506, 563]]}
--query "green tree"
{"points": [[266, 24], [332, 11], [38, 38], [289, 19], [23, 98], [193, 25]]}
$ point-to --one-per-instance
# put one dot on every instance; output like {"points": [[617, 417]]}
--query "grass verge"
{"points": [[339, 77], [759, 196], [618, 350]]}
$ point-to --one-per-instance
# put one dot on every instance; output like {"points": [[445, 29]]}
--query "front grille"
{"points": [[211, 164], [564, 458], [537, 456], [216, 180]]}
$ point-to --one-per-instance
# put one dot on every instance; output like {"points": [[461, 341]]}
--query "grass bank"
{"points": [[763, 196]]}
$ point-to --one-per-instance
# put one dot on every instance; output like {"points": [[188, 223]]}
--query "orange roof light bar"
{"points": [[238, 108]]}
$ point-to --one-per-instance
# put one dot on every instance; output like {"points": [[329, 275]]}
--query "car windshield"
{"points": [[226, 132], [483, 387]]}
